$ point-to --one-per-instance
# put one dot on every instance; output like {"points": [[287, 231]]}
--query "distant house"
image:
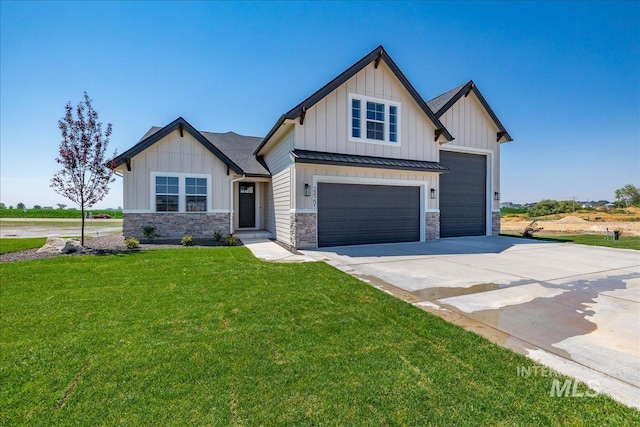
{"points": [[362, 160]]}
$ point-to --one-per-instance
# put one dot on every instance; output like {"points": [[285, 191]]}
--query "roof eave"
{"points": [[176, 124]]}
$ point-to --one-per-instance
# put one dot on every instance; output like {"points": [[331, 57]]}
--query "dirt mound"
{"points": [[572, 220]]}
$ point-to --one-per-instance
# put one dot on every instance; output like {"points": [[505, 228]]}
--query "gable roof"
{"points": [[375, 55], [441, 104], [236, 151]]}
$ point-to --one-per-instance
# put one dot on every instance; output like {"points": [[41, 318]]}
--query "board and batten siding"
{"points": [[278, 160], [305, 175], [473, 128], [326, 125], [174, 154]]}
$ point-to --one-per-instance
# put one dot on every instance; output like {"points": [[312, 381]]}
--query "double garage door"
{"points": [[355, 214]]}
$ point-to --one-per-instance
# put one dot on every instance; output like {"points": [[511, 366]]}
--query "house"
{"points": [[363, 160]]}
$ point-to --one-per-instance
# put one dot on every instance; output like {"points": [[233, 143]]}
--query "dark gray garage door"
{"points": [[463, 195], [353, 214]]}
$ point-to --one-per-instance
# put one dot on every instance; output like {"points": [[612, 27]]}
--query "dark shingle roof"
{"points": [[239, 148], [441, 100], [319, 157]]}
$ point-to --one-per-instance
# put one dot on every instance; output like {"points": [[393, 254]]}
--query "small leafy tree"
{"points": [[61, 205], [20, 206], [37, 207], [2, 206], [629, 195], [85, 177]]}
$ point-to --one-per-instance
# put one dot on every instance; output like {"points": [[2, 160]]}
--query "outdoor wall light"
{"points": [[434, 193], [307, 190], [496, 196]]}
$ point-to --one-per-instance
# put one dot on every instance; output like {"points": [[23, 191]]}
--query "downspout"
{"points": [[231, 212]]}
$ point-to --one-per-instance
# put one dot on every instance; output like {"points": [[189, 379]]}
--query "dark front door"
{"points": [[247, 204]]}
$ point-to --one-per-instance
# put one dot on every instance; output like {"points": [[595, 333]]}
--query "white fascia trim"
{"points": [[460, 149], [363, 120], [495, 210], [182, 208], [306, 211], [128, 211], [432, 210]]}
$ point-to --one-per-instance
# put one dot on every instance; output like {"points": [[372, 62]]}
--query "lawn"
{"points": [[15, 245], [215, 337], [624, 242]]}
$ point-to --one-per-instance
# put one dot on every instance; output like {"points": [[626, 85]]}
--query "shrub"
{"points": [[531, 230], [217, 235], [231, 240], [131, 242], [187, 240], [149, 232]]}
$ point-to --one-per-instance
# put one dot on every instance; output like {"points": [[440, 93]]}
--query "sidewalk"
{"points": [[268, 250]]}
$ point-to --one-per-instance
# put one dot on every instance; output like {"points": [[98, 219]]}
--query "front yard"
{"points": [[215, 337]]}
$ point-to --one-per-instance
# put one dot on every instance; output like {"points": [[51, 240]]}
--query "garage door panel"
{"points": [[463, 194], [352, 214]]}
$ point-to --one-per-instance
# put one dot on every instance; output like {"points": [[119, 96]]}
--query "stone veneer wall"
{"points": [[432, 225], [176, 225], [495, 223], [303, 230]]}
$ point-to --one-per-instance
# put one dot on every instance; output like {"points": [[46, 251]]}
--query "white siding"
{"points": [[326, 126], [175, 154], [305, 173], [278, 161], [473, 129]]}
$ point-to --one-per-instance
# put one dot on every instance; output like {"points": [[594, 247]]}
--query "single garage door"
{"points": [[354, 214], [463, 194]]}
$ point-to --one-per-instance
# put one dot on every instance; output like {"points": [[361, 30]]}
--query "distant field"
{"points": [[54, 213]]}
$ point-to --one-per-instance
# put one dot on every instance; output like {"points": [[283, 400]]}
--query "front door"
{"points": [[247, 205]]}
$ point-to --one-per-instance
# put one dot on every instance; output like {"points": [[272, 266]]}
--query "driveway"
{"points": [[571, 307]]}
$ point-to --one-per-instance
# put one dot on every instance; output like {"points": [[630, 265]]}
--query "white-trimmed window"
{"points": [[374, 120], [180, 192]]}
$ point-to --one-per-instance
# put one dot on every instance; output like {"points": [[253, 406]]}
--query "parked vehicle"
{"points": [[102, 216]]}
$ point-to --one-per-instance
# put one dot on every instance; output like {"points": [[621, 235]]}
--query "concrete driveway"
{"points": [[573, 308]]}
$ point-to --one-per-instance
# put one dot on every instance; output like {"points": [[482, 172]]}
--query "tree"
{"points": [[85, 176], [20, 206], [61, 206], [37, 207], [629, 195], [2, 206]]}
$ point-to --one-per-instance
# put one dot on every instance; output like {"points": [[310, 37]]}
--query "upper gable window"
{"points": [[374, 120]]}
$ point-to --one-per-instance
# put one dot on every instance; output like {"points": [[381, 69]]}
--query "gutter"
{"points": [[231, 211]]}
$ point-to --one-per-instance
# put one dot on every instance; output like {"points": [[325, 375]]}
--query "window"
{"points": [[355, 118], [375, 121], [167, 193], [381, 120], [180, 192], [196, 194]]}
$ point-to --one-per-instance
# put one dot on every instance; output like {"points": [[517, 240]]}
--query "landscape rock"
{"points": [[57, 245]]}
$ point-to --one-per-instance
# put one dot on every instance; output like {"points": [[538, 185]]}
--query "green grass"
{"points": [[215, 337], [15, 245], [54, 213], [624, 242]]}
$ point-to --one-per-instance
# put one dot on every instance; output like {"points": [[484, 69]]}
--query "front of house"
{"points": [[363, 160]]}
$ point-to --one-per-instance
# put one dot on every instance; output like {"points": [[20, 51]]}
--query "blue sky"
{"points": [[564, 78]]}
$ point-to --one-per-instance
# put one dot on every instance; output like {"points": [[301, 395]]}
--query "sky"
{"points": [[563, 77]]}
